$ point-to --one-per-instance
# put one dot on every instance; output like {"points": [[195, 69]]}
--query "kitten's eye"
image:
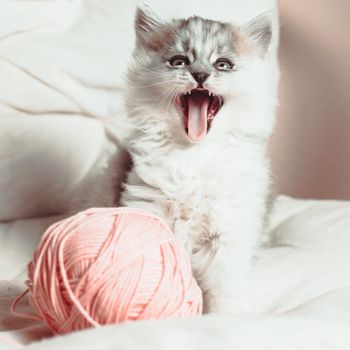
{"points": [[179, 61], [223, 64]]}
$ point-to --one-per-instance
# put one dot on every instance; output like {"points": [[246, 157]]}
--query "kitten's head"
{"points": [[188, 72]]}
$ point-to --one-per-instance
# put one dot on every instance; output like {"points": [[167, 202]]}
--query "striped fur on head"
{"points": [[155, 85]]}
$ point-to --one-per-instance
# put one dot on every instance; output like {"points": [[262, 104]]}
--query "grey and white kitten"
{"points": [[201, 98]]}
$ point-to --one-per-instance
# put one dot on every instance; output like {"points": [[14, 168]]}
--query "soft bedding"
{"points": [[61, 69], [299, 290]]}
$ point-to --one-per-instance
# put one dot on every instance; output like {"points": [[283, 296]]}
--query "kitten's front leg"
{"points": [[221, 261]]}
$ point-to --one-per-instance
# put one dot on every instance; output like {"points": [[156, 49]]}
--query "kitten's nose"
{"points": [[200, 77]]}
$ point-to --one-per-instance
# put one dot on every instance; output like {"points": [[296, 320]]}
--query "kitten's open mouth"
{"points": [[199, 108]]}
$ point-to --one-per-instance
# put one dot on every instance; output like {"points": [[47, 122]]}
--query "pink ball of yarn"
{"points": [[110, 265]]}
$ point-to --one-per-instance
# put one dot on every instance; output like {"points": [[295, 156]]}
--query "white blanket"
{"points": [[299, 290]]}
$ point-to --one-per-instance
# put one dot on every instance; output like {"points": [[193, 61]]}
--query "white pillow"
{"points": [[47, 161]]}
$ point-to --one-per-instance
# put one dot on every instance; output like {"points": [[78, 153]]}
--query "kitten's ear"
{"points": [[260, 32], [147, 24]]}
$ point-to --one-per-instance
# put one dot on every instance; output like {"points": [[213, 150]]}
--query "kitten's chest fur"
{"points": [[191, 188], [193, 183]]}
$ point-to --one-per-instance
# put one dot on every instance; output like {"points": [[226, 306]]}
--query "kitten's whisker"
{"points": [[173, 99], [166, 98], [151, 85], [173, 94], [155, 72], [176, 93], [167, 95]]}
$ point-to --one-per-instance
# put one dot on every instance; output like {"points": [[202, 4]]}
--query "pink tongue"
{"points": [[197, 116]]}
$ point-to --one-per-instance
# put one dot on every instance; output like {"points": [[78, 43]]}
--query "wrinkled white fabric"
{"points": [[47, 162], [299, 289]]}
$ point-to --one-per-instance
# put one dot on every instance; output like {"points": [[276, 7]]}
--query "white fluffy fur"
{"points": [[213, 193]]}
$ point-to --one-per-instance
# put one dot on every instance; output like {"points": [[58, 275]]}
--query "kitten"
{"points": [[201, 98]]}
